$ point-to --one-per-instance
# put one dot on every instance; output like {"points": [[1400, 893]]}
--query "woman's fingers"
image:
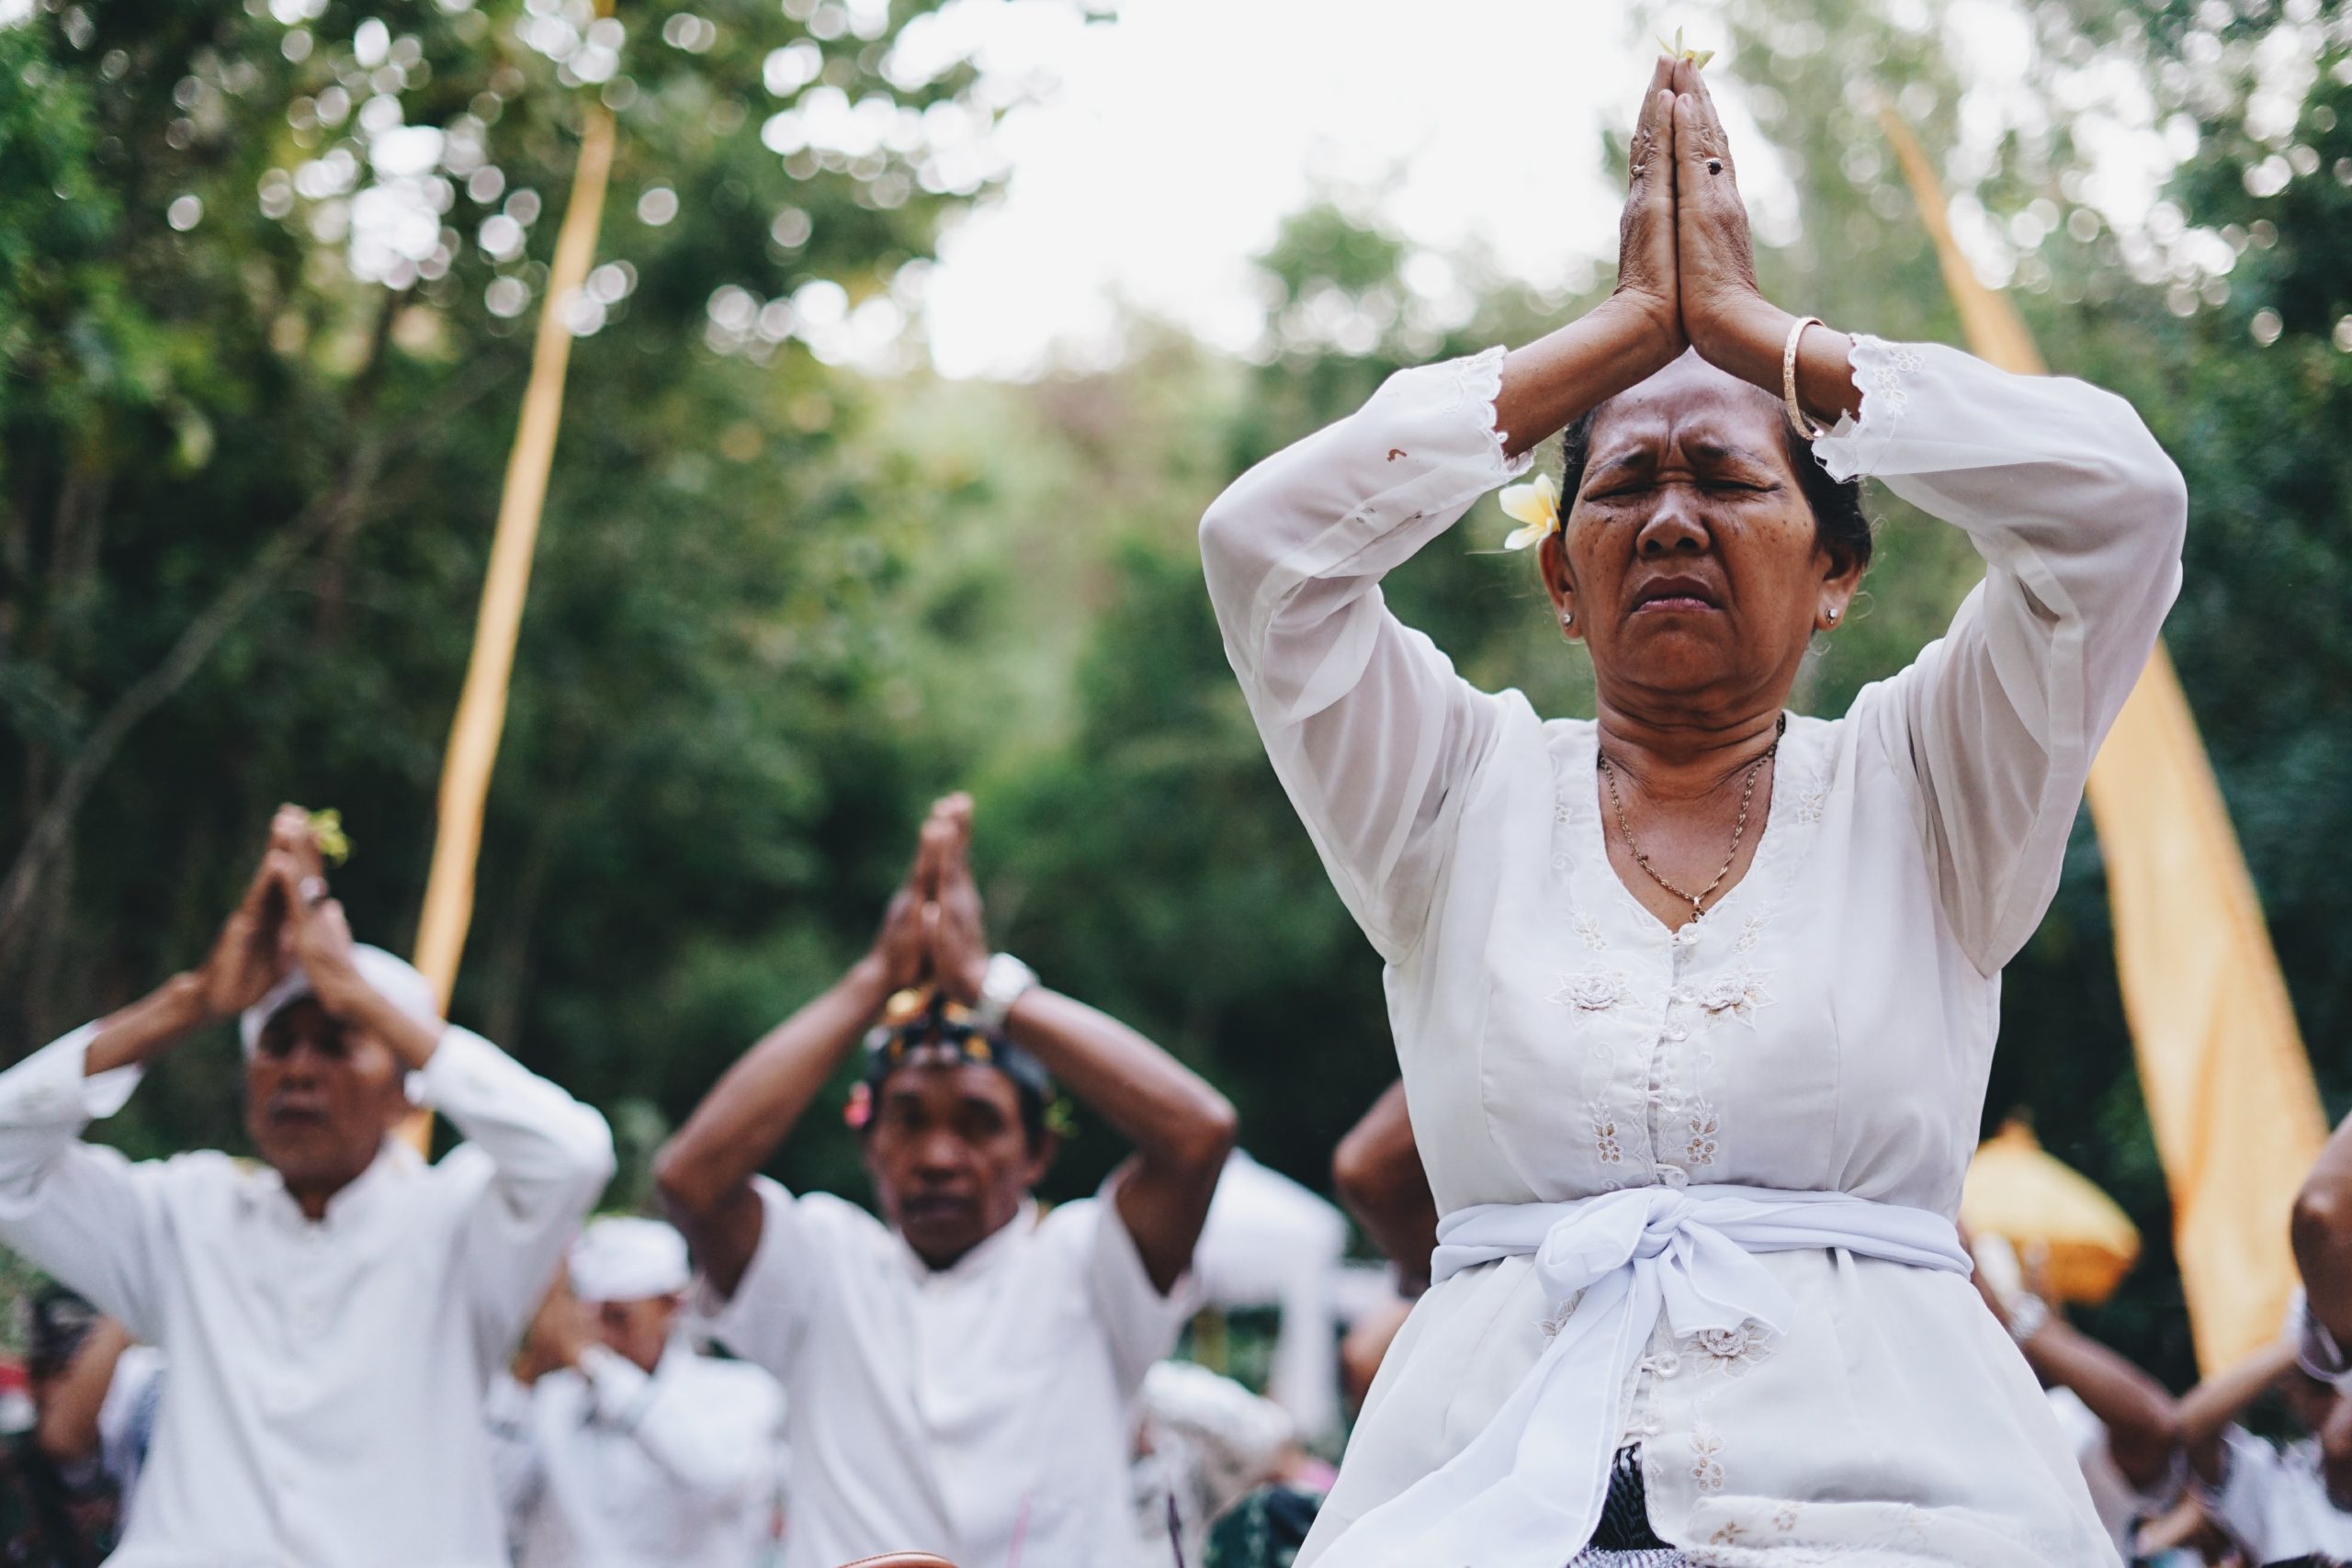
{"points": [[1715, 255], [1699, 128], [1702, 163], [1654, 122]]}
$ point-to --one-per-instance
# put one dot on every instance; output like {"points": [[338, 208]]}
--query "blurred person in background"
{"points": [[2322, 1230], [2284, 1503], [1204, 1443], [1695, 1001], [1271, 1241], [334, 1313], [1376, 1170], [2186, 1537], [962, 1372], [2123, 1424], [69, 1476], [621, 1446]]}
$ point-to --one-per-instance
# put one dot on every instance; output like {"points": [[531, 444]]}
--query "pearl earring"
{"points": [[1568, 618], [1833, 616]]}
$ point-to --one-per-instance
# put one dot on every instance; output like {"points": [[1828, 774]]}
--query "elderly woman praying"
{"points": [[1695, 1000]]}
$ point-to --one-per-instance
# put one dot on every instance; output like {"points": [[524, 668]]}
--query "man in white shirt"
{"points": [[332, 1314], [1271, 1241], [1206, 1442], [962, 1373], [630, 1449]]}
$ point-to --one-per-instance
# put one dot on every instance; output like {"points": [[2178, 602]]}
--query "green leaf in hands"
{"points": [[334, 845]]}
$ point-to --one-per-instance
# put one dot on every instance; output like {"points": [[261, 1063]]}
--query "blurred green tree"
{"points": [[267, 272]]}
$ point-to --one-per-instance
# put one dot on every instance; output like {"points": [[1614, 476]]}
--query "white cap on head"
{"points": [[394, 979], [623, 1258]]}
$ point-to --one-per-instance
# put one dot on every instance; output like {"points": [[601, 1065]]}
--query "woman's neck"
{"points": [[1685, 756]]}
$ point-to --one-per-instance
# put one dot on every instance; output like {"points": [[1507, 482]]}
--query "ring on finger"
{"points": [[313, 890]]}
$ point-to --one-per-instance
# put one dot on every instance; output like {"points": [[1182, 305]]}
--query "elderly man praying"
{"points": [[333, 1312]]}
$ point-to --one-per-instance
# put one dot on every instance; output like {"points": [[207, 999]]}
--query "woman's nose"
{"points": [[1673, 527]]}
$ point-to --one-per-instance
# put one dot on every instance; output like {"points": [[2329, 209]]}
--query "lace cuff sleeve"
{"points": [[1364, 720]]}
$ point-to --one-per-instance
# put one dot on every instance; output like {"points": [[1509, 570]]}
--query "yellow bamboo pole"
{"points": [[482, 704], [2222, 1068]]}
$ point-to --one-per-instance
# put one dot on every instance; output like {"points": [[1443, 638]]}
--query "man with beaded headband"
{"points": [[961, 1373]]}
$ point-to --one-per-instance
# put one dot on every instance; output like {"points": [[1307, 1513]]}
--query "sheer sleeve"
{"points": [[1364, 720], [2080, 517]]}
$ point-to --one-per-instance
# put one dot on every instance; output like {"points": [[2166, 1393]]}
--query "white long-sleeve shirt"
{"points": [[611, 1467], [984, 1411], [1826, 1027], [323, 1407]]}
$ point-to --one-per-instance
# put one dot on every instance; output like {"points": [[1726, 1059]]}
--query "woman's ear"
{"points": [[1551, 563], [1837, 589]]}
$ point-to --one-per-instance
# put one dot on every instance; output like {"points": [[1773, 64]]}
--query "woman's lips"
{"points": [[1682, 604]]}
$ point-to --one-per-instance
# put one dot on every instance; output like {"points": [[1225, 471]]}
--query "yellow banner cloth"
{"points": [[2222, 1068]]}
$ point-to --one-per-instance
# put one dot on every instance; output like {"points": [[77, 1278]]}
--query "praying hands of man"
{"points": [[286, 917], [932, 933], [253, 953]]}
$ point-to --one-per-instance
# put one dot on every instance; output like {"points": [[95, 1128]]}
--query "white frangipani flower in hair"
{"points": [[1536, 507]]}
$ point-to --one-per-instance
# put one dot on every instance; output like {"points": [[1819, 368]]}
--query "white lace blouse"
{"points": [[1826, 1027]]}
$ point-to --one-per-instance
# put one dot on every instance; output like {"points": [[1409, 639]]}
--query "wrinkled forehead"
{"points": [[1695, 408]]}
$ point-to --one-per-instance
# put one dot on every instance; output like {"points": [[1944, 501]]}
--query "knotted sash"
{"points": [[1527, 1491]]}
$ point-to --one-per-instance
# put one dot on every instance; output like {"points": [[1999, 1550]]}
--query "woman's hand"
{"points": [[1646, 282], [1723, 310]]}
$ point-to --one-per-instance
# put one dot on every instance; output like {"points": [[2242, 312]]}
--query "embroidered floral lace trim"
{"points": [[1884, 372], [1478, 382]]}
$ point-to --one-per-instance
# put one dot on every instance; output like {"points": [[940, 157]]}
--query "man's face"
{"points": [[319, 1097], [639, 1330], [950, 1158]]}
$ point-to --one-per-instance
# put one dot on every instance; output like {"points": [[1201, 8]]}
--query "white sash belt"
{"points": [[1527, 1491]]}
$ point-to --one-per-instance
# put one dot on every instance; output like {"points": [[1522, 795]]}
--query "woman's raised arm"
{"points": [[1365, 719], [2077, 511]]}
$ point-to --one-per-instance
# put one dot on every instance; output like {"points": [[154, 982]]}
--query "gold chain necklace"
{"points": [[1739, 831]]}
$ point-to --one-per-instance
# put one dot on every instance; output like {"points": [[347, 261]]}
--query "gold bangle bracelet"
{"points": [[1797, 420]]}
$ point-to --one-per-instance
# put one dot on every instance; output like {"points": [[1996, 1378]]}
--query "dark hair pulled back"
{"points": [[1838, 524]]}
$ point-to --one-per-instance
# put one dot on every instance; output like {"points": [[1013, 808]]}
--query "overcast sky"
{"points": [[1182, 133], [1175, 139]]}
